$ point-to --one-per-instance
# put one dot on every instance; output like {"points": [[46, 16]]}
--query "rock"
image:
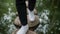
{"points": [[28, 32]]}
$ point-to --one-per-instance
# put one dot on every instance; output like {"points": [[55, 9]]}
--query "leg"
{"points": [[31, 6], [22, 12]]}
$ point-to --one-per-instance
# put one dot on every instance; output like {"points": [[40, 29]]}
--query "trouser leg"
{"points": [[31, 4], [22, 12]]}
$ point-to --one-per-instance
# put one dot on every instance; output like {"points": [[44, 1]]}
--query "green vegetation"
{"points": [[7, 8]]}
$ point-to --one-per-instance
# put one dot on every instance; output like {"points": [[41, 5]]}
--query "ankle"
{"points": [[25, 25]]}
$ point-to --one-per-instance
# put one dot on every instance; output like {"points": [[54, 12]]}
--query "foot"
{"points": [[23, 30], [31, 15]]}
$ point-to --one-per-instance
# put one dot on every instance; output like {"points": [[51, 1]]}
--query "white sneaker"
{"points": [[23, 30], [31, 15]]}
